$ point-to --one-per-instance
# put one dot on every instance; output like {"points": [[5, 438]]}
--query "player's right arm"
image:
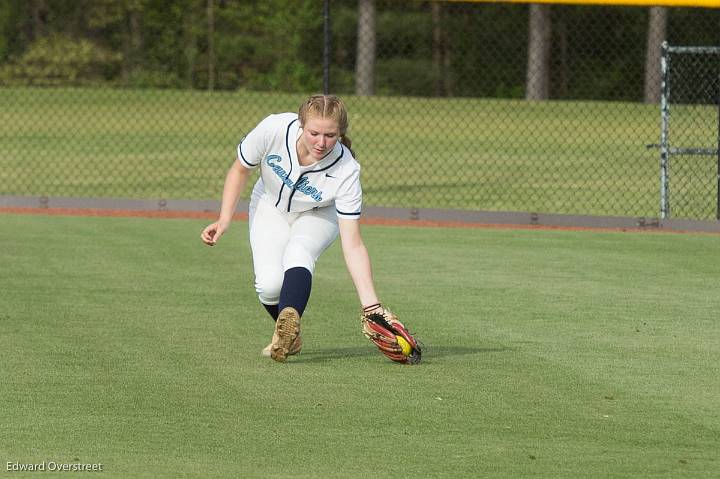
{"points": [[235, 181]]}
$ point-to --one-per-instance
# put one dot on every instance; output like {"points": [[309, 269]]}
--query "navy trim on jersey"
{"points": [[342, 152], [347, 214], [243, 156], [287, 145]]}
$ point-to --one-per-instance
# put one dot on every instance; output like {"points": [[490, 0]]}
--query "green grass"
{"points": [[499, 155], [548, 354]]}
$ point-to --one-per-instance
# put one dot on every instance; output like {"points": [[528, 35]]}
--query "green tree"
{"points": [[271, 45]]}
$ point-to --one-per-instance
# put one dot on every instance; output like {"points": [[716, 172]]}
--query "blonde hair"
{"points": [[327, 106]]}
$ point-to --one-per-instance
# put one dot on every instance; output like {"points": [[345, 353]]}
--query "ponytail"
{"points": [[347, 142]]}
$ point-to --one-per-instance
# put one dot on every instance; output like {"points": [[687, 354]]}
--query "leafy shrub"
{"points": [[58, 60]]}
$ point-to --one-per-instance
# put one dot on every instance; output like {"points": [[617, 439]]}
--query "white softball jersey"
{"points": [[290, 187], [294, 208]]}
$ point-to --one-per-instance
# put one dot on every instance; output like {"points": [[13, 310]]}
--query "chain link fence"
{"points": [[454, 105]]}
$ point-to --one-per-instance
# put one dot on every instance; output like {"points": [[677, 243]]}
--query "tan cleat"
{"points": [[287, 329], [295, 347]]}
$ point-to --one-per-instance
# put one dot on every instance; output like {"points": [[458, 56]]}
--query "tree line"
{"points": [[426, 48]]}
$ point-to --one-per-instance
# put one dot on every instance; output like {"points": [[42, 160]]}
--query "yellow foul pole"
{"points": [[636, 3]]}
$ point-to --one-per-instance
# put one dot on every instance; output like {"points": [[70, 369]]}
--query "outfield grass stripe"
{"points": [[548, 354]]}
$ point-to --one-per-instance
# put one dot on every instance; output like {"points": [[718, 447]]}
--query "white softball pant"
{"points": [[281, 240]]}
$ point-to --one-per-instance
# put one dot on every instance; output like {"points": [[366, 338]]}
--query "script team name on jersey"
{"points": [[303, 185]]}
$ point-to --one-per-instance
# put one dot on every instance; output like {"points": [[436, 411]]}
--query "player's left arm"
{"points": [[357, 260], [379, 324]]}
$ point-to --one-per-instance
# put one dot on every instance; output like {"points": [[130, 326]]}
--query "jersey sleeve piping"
{"points": [[242, 157], [349, 215]]}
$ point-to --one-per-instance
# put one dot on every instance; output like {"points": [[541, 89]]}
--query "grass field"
{"points": [[548, 354], [499, 155]]}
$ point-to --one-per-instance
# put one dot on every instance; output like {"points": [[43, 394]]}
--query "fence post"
{"points": [[326, 47], [664, 150], [717, 211]]}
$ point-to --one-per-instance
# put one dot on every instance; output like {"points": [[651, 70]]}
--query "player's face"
{"points": [[319, 136]]}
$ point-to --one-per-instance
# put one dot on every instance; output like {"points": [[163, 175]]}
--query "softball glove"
{"points": [[390, 336]]}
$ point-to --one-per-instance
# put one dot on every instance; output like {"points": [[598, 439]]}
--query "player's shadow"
{"points": [[430, 352]]}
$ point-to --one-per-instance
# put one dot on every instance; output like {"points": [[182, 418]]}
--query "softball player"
{"points": [[308, 193]]}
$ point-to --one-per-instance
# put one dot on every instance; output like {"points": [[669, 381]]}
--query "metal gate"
{"points": [[690, 135]]}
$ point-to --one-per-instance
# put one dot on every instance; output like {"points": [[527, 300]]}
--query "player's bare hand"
{"points": [[212, 233]]}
